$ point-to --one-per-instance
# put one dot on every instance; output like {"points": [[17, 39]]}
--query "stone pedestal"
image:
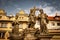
{"points": [[45, 37], [15, 37], [56, 37], [30, 37], [29, 34]]}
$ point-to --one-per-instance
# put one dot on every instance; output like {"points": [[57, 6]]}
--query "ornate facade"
{"points": [[23, 19]]}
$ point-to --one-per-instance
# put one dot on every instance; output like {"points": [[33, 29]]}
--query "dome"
{"points": [[2, 12], [21, 12]]}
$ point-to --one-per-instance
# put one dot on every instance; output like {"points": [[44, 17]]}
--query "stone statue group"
{"points": [[42, 18]]}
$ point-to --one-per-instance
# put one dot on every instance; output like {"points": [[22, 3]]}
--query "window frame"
{"points": [[58, 24], [3, 25]]}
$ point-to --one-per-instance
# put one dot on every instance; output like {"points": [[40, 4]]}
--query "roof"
{"points": [[54, 18]]}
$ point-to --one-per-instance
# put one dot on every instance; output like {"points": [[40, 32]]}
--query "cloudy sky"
{"points": [[50, 7]]}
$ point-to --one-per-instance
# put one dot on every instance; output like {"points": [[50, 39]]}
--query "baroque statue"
{"points": [[15, 30], [15, 35], [42, 17], [32, 18]]}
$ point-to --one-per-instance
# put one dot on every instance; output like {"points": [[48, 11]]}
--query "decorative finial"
{"points": [[56, 14]]}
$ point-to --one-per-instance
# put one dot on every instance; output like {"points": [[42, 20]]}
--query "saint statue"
{"points": [[32, 18], [15, 35], [15, 30], [43, 21]]}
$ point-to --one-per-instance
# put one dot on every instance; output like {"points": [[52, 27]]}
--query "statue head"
{"points": [[41, 10]]}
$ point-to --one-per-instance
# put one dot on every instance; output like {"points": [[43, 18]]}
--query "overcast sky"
{"points": [[50, 7]]}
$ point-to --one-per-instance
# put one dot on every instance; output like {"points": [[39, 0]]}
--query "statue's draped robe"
{"points": [[43, 22], [32, 19], [15, 30]]}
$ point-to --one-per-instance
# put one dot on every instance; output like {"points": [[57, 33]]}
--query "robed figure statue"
{"points": [[15, 34], [32, 18], [42, 17]]}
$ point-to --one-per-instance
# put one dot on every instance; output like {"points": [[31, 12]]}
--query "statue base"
{"points": [[45, 36], [29, 34], [15, 37]]}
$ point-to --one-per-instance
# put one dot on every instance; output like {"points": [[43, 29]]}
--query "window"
{"points": [[22, 17], [3, 25], [2, 35], [53, 23], [58, 24]]}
